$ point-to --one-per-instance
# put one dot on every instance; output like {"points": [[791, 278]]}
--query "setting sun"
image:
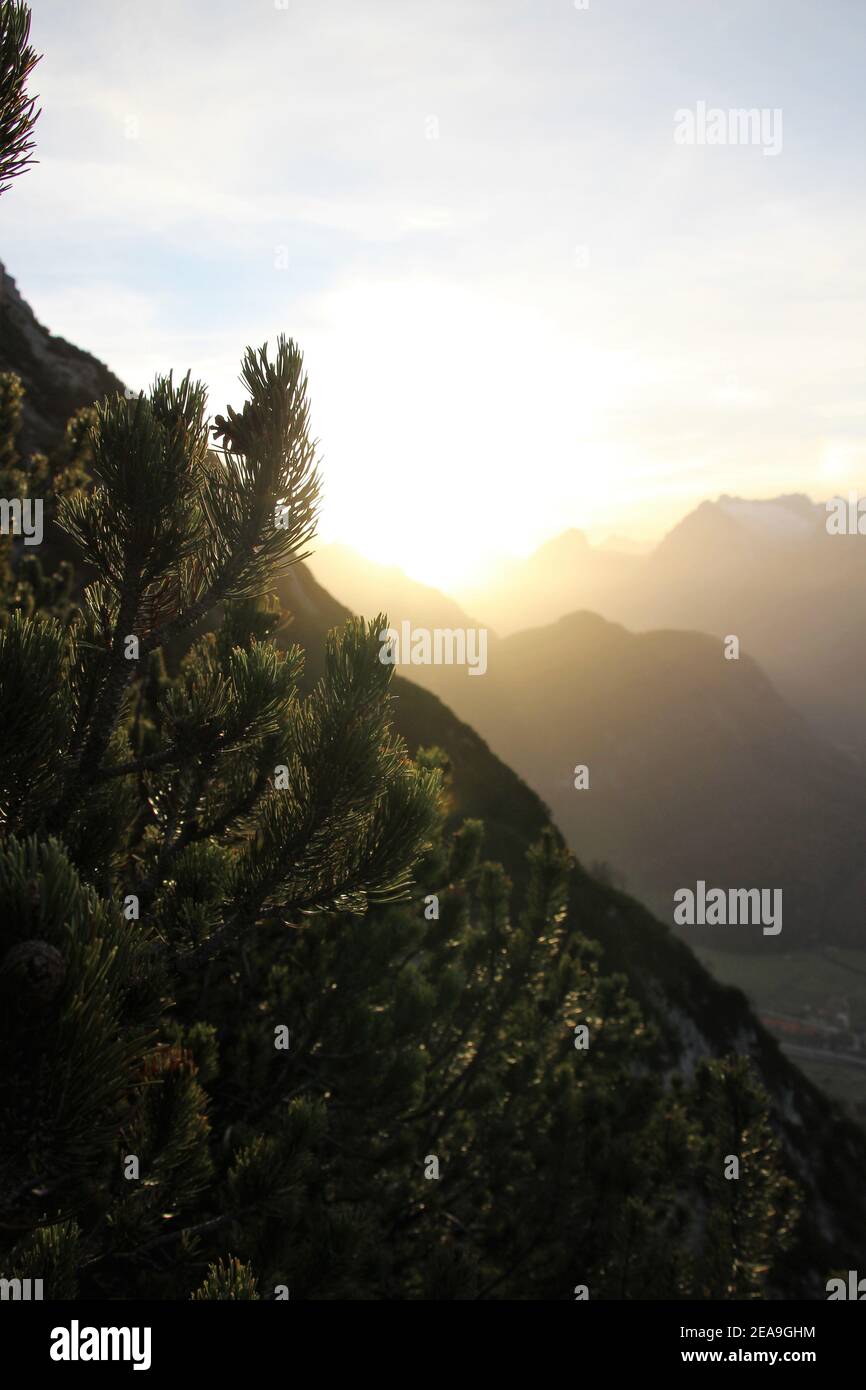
{"points": [[440, 408]]}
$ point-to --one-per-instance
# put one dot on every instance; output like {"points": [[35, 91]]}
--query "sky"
{"points": [[525, 304]]}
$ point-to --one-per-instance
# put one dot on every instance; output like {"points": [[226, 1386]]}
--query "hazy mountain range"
{"points": [[699, 767], [765, 571]]}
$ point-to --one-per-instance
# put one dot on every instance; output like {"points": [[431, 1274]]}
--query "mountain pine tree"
{"points": [[267, 805]]}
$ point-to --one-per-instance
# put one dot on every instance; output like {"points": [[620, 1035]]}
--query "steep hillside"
{"points": [[368, 589], [58, 377], [482, 785]]}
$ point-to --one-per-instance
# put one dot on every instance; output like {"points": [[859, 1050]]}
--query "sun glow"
{"points": [[442, 412]]}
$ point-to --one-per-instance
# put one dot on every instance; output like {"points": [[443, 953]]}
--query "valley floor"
{"points": [[814, 1003]]}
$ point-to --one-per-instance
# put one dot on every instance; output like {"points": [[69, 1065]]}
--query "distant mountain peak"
{"points": [[559, 547], [741, 525], [791, 516]]}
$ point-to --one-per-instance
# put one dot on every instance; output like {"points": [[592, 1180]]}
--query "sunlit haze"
{"points": [[523, 306]]}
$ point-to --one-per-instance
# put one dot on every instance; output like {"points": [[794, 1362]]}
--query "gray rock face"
{"points": [[58, 377]]}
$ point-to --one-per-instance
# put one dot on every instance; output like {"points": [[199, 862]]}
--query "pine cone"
{"points": [[32, 970]]}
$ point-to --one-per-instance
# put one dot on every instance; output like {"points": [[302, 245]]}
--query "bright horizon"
{"points": [[523, 305]]}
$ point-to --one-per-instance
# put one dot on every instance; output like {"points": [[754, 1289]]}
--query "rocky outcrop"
{"points": [[58, 377]]}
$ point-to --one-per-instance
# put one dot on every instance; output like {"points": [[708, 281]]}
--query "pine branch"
{"points": [[18, 113]]}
